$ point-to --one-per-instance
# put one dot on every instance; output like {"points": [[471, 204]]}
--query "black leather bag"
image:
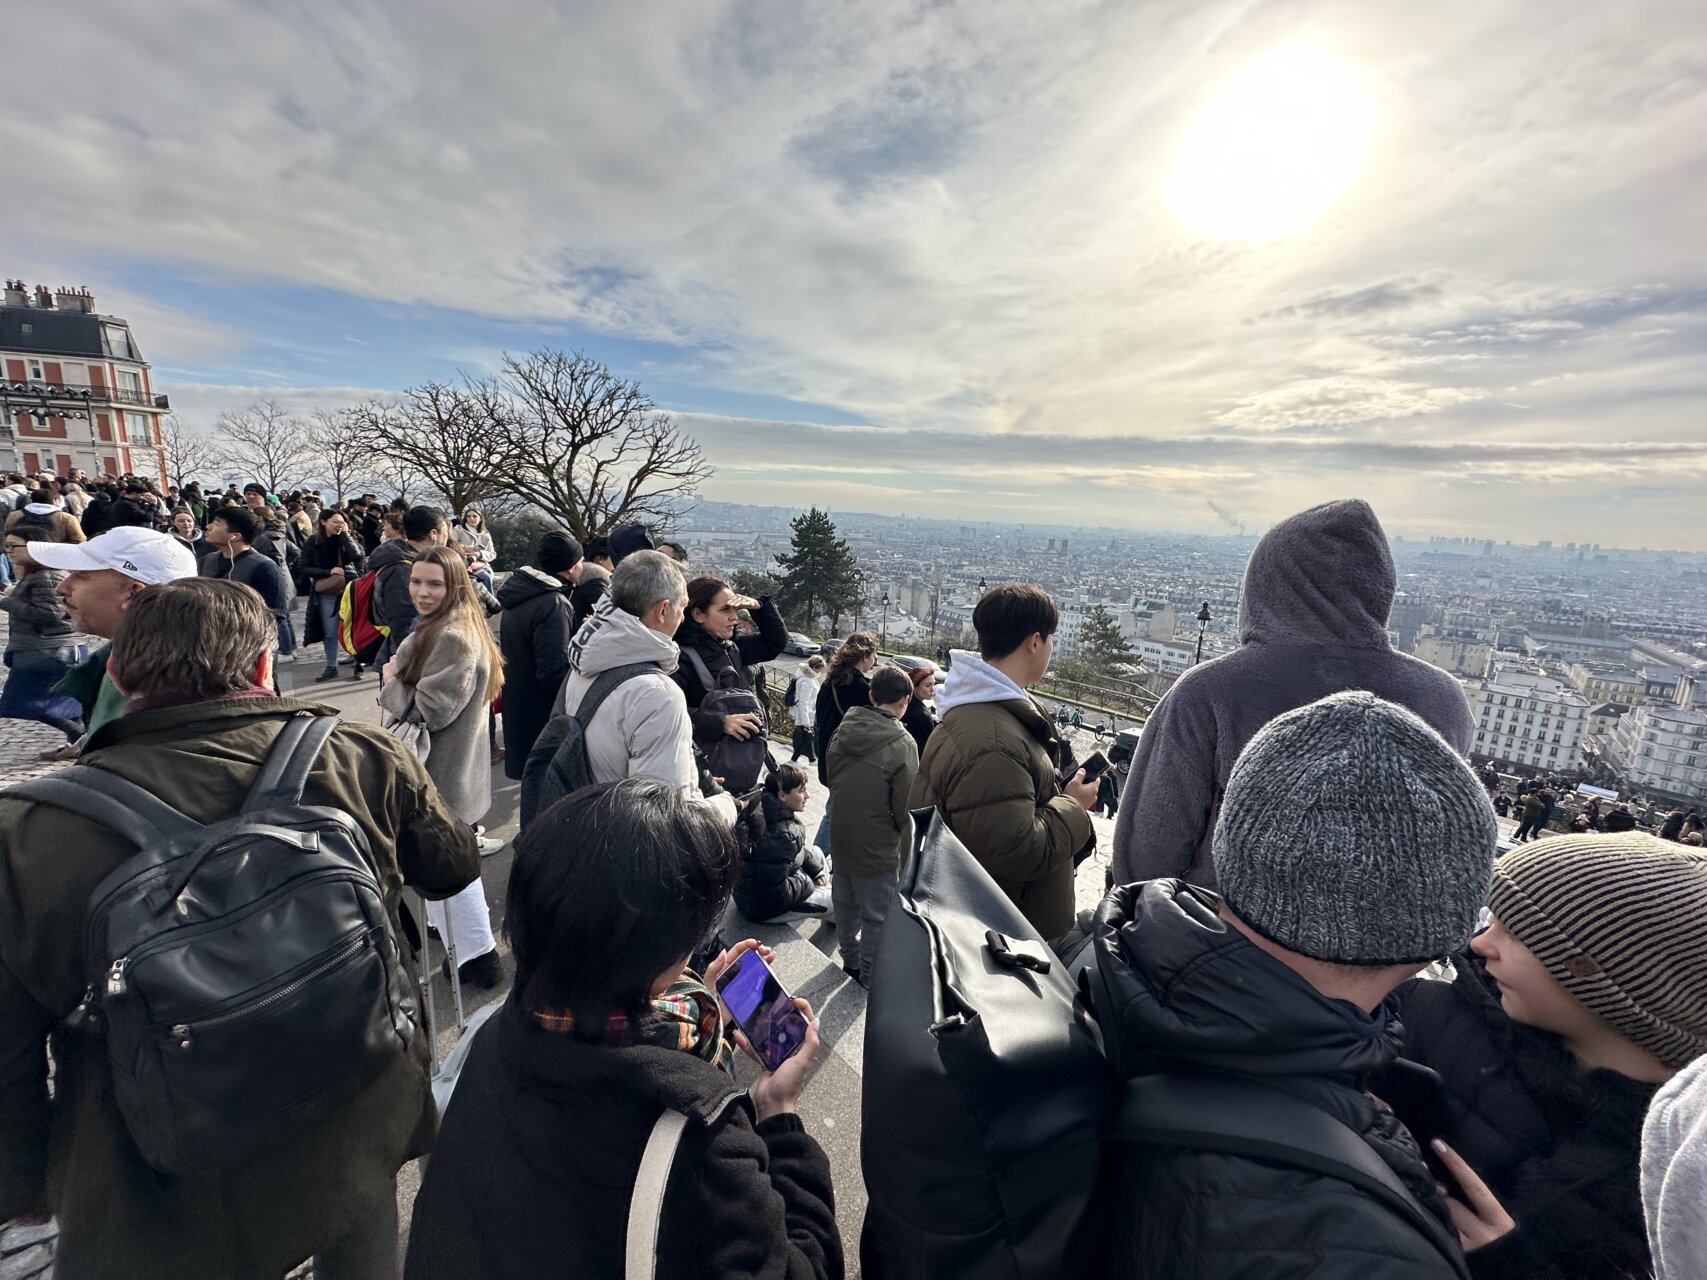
{"points": [[986, 1091], [245, 976]]}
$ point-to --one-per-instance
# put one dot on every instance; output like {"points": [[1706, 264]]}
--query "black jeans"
{"points": [[368, 1252], [802, 745]]}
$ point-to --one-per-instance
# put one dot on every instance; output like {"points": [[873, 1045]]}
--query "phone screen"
{"points": [[763, 1009]]}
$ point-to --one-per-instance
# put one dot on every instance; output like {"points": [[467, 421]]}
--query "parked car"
{"points": [[803, 645], [909, 661], [1125, 747], [827, 650]]}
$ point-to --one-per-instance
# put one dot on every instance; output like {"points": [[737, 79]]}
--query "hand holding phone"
{"points": [[770, 1020]]}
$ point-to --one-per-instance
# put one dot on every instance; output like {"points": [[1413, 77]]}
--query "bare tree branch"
{"points": [[585, 446], [438, 434], [266, 444], [189, 455], [341, 454]]}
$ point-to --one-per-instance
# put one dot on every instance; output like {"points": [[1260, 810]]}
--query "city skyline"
{"points": [[1159, 266]]}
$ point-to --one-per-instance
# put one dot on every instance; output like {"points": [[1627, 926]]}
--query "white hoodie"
{"points": [[971, 680], [642, 730], [805, 708]]}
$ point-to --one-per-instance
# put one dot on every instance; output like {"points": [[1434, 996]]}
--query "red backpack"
{"points": [[358, 634]]}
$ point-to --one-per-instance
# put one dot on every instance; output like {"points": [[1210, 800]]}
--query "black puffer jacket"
{"points": [[1192, 994], [321, 556], [769, 885], [834, 702], [1558, 1145], [534, 1168], [721, 655], [534, 636]]}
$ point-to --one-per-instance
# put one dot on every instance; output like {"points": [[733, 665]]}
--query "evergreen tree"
{"points": [[1100, 642], [819, 572]]}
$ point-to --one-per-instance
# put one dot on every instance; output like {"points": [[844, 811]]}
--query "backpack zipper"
{"points": [[184, 1030]]}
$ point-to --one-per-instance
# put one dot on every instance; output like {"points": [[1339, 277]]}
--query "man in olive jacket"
{"points": [[990, 767], [195, 657]]}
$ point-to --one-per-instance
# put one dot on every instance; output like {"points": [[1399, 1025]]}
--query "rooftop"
{"points": [[61, 322]]}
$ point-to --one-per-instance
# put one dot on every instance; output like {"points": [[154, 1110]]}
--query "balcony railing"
{"points": [[48, 391]]}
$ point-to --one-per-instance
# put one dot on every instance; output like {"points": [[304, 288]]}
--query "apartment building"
{"points": [[1526, 718]]}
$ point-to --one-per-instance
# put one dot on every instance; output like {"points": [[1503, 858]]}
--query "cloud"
{"points": [[947, 221]]}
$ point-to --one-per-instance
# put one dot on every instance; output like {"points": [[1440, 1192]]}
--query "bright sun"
{"points": [[1280, 141]]}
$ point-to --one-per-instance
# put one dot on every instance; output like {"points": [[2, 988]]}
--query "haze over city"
{"points": [[1151, 265]]}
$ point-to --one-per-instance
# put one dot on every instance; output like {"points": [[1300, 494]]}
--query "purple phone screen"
{"points": [[762, 1009]]}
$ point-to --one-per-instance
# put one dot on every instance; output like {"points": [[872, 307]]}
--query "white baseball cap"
{"points": [[144, 554]]}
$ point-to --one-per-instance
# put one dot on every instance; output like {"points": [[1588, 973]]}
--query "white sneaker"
{"points": [[489, 845]]}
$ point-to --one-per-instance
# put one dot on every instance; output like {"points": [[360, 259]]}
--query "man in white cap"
{"points": [[101, 576]]}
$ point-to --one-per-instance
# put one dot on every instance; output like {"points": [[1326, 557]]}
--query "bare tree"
{"points": [[585, 446], [189, 454], [439, 435], [341, 455], [266, 444]]}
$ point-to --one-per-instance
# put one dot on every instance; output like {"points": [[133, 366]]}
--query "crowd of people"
{"points": [[1304, 897]]}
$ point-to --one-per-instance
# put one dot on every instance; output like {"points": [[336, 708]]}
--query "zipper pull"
{"points": [[182, 1031], [115, 977]]}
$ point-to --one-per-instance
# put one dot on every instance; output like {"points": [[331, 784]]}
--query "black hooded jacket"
{"points": [[1186, 992], [1312, 621], [534, 637], [1559, 1146], [533, 1171], [721, 655], [769, 885]]}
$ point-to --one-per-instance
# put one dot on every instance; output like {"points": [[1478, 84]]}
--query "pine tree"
{"points": [[819, 572], [1100, 642]]}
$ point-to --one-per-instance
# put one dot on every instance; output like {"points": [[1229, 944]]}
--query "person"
{"points": [[594, 581], [299, 525], [1582, 996], [136, 504], [331, 560], [255, 495], [1672, 827], [42, 645], [1537, 813], [710, 631], [992, 768], [872, 762], [102, 576], [626, 539], [444, 675], [232, 532], [1502, 804], [606, 1029], [846, 685], [189, 534], [783, 879], [535, 635], [393, 604], [372, 527], [919, 721], [807, 677], [1592, 813], [1674, 1175], [472, 539], [1284, 980], [1620, 819], [1318, 590], [642, 729], [194, 654], [43, 508]]}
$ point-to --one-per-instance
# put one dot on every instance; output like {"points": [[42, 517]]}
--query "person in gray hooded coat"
{"points": [[1312, 622]]}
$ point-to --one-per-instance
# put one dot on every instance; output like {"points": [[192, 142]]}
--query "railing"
{"points": [[62, 390]]}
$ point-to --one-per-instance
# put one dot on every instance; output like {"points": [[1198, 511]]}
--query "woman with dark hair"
{"points": [[605, 1031], [709, 634], [331, 560], [474, 541], [783, 879], [848, 685]]}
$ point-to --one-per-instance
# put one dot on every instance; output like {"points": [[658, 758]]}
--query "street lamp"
{"points": [[884, 642], [982, 585], [1203, 621]]}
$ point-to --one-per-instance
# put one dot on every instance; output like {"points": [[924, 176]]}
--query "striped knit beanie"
{"points": [[1352, 832], [1621, 921]]}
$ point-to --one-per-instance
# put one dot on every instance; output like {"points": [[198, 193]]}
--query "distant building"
{"points": [[1525, 718], [1663, 749], [1463, 652], [1605, 681], [76, 392]]}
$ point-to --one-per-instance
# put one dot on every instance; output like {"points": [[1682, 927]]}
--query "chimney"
{"points": [[16, 294], [43, 297], [67, 299]]}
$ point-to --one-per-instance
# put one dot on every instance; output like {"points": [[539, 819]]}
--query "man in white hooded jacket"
{"points": [[642, 729]]}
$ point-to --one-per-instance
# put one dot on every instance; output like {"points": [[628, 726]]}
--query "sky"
{"points": [[1183, 265]]}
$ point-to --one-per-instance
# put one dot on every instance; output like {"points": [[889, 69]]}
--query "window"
{"points": [[118, 341], [35, 371], [135, 428], [131, 381]]}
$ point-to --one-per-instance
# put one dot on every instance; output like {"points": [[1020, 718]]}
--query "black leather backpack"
{"points": [[986, 1092], [244, 973]]}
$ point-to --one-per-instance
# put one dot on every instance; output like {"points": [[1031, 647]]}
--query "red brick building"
{"points": [[75, 391]]}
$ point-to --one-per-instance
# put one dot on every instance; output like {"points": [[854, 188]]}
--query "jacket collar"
{"points": [[200, 717]]}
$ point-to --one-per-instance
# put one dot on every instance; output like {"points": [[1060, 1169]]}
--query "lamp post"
{"points": [[1203, 620], [884, 641], [982, 586]]}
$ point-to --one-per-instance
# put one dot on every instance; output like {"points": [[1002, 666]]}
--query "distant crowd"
{"points": [[1317, 1025]]}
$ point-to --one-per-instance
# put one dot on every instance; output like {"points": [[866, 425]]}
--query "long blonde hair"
{"points": [[461, 609]]}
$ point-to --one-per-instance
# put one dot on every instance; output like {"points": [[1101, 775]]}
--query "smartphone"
{"points": [[763, 1009], [1094, 765]]}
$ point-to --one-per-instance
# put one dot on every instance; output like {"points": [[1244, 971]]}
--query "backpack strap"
{"points": [[1238, 1116], [604, 684], [117, 804], [699, 667], [284, 773], [646, 1209]]}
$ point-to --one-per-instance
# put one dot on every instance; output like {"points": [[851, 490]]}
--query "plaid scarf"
{"points": [[686, 1018]]}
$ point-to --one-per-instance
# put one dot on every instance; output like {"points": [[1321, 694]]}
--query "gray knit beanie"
{"points": [[1351, 832]]}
